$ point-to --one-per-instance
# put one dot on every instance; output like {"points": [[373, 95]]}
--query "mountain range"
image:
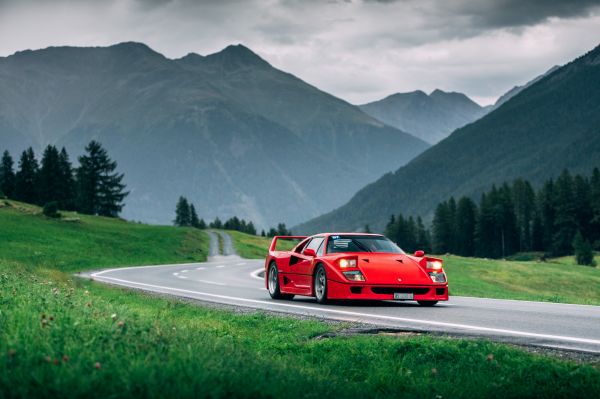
{"points": [[551, 124], [230, 132], [430, 117]]}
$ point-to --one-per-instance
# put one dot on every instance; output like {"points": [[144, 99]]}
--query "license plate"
{"points": [[403, 295]]}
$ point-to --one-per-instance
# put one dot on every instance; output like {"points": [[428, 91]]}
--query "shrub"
{"points": [[51, 209], [584, 255]]}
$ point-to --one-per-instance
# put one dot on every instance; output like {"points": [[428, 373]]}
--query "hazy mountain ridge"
{"points": [[226, 130], [430, 117], [550, 125]]}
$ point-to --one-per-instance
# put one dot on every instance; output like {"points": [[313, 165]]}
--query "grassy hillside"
{"points": [[65, 337], [557, 280], [549, 126], [78, 242]]}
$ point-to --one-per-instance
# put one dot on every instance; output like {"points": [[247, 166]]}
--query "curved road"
{"points": [[231, 280]]}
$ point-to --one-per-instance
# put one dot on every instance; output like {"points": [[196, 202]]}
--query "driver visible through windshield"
{"points": [[357, 243]]}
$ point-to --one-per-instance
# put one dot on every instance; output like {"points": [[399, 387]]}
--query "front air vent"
{"points": [[391, 290]]}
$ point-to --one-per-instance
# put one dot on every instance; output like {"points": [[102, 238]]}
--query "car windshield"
{"points": [[357, 243]]}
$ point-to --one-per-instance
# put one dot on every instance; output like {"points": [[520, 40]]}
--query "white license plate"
{"points": [[403, 295]]}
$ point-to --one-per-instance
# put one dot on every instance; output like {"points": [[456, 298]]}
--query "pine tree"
{"points": [[583, 250], [466, 220], [100, 189], [367, 229], [216, 224], [524, 203], [547, 213], [423, 237], [67, 185], [202, 224], [262, 233], [194, 221], [26, 179], [182, 213], [49, 177], [565, 222], [595, 205], [250, 229], [485, 228], [442, 229], [7, 175]]}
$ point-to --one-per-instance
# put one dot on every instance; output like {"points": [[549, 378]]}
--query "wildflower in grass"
{"points": [[113, 316], [89, 304], [48, 359], [121, 323], [434, 372], [55, 361], [11, 353], [97, 366], [490, 357], [44, 322], [51, 318], [86, 292], [65, 358]]}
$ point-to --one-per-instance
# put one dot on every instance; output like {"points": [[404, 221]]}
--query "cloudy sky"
{"points": [[358, 50]]}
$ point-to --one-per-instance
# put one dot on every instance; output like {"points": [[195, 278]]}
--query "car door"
{"points": [[304, 265]]}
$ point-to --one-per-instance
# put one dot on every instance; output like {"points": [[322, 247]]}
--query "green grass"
{"points": [[65, 337], [553, 281], [54, 331], [79, 242], [556, 280], [256, 247]]}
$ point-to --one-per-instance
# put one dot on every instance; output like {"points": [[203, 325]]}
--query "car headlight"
{"points": [[434, 265], [354, 275], [437, 277], [344, 263]]}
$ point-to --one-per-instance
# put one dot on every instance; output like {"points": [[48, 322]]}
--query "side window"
{"points": [[314, 244], [300, 247], [321, 248]]}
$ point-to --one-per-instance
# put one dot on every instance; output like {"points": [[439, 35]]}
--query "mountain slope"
{"points": [[550, 125], [517, 89], [430, 117], [227, 130]]}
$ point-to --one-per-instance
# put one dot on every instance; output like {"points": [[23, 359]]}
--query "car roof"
{"points": [[347, 234]]}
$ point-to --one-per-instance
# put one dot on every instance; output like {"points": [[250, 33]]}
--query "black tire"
{"points": [[427, 303], [273, 283], [320, 284]]}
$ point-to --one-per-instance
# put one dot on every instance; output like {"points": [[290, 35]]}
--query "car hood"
{"points": [[392, 269]]}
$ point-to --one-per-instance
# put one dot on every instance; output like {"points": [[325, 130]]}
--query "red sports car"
{"points": [[353, 266]]}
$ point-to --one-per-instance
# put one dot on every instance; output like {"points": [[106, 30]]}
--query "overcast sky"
{"points": [[357, 50]]}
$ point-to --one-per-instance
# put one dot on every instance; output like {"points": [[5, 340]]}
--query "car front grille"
{"points": [[404, 290]]}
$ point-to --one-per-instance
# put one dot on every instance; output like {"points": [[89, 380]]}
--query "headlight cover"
{"points": [[354, 275], [347, 262], [437, 277]]}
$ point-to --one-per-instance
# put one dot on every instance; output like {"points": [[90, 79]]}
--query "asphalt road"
{"points": [[231, 280]]}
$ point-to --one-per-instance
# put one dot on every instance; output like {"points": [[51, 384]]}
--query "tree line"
{"points": [[186, 216], [562, 217], [91, 188]]}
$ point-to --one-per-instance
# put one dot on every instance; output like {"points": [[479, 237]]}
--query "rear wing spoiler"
{"points": [[274, 242]]}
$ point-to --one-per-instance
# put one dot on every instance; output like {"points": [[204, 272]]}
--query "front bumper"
{"points": [[358, 291]]}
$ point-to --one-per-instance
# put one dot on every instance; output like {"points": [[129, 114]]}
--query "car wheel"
{"points": [[273, 284], [427, 303], [320, 284]]}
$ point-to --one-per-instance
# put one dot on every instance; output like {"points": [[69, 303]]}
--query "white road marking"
{"points": [[184, 271], [220, 266], [200, 268], [209, 282], [182, 277], [357, 314], [174, 274], [240, 264], [255, 274]]}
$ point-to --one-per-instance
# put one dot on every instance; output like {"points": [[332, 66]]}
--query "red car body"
{"points": [[358, 274]]}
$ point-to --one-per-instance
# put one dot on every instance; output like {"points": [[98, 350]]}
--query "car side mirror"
{"points": [[419, 253], [310, 252]]}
